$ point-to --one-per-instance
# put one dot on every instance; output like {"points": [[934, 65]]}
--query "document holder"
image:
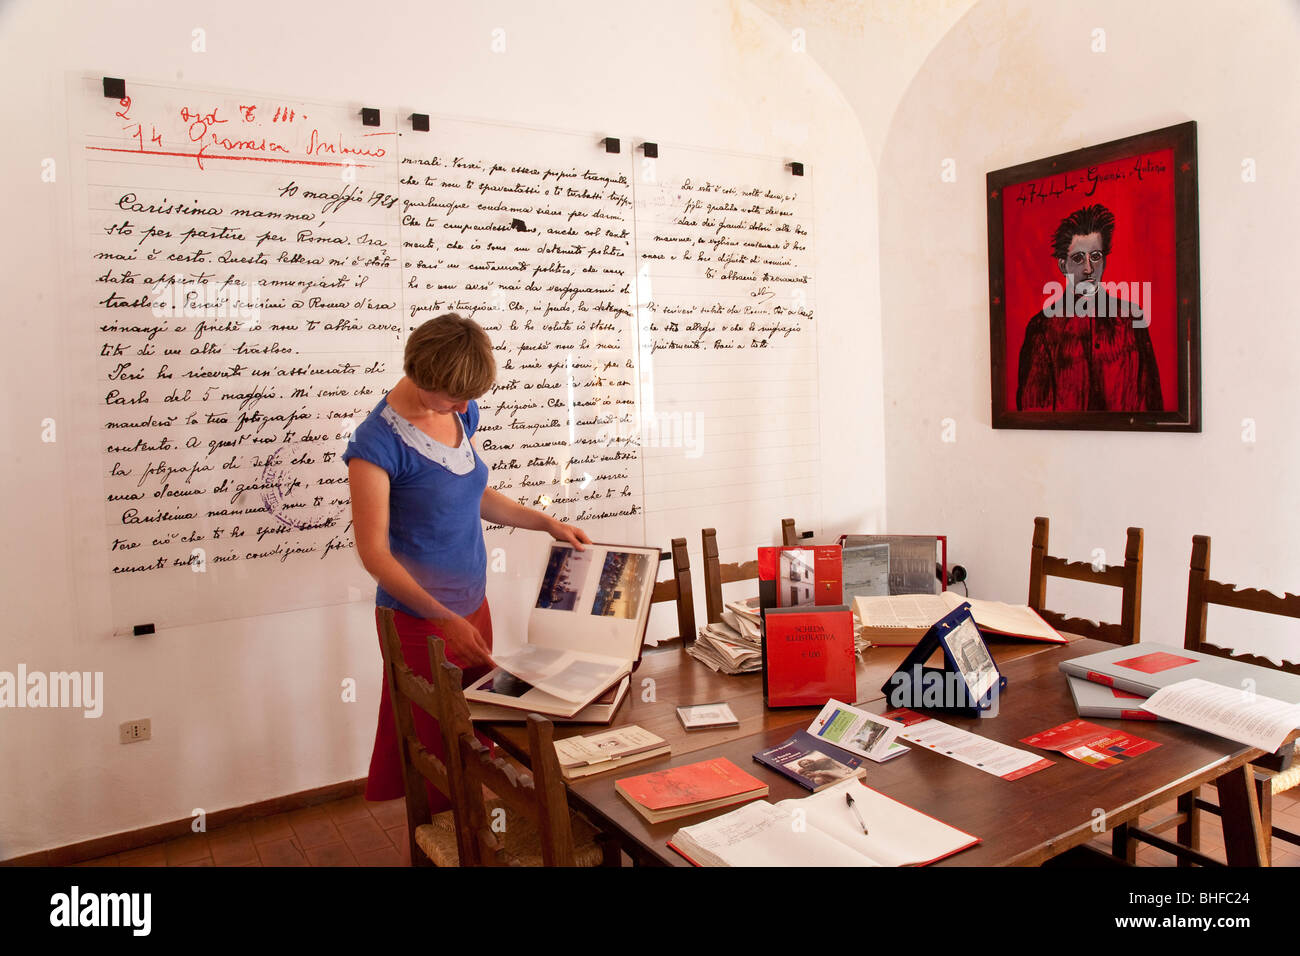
{"points": [[969, 682]]}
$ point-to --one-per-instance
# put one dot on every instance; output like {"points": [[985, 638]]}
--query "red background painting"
{"points": [[1139, 191]]}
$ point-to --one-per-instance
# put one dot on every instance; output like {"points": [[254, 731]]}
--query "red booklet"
{"points": [[808, 656], [694, 788], [795, 576]]}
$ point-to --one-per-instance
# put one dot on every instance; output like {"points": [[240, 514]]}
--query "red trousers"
{"points": [[385, 779]]}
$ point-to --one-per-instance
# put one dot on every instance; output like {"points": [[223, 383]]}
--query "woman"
{"points": [[419, 491]]}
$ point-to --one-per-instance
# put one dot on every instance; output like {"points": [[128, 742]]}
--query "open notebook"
{"points": [[585, 630], [822, 830]]}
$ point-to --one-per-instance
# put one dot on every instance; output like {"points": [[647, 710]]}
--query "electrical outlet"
{"points": [[134, 731]]}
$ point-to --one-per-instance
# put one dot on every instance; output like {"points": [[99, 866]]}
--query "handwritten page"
{"points": [[240, 301], [725, 307]]}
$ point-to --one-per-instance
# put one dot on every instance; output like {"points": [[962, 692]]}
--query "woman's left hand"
{"points": [[569, 533]]}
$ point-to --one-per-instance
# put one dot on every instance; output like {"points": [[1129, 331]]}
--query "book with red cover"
{"points": [[808, 656], [694, 788], [798, 576]]}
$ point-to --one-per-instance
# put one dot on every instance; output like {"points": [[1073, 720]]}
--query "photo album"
{"points": [[585, 629]]}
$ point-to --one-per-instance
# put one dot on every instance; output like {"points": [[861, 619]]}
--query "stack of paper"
{"points": [[735, 646], [725, 649], [732, 646]]}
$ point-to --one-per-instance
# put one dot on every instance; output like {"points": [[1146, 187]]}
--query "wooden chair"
{"points": [[528, 822], [789, 536], [450, 838], [678, 588], [1127, 577], [717, 574], [1276, 773]]}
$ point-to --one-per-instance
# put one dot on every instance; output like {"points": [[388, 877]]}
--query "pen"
{"points": [[848, 798]]}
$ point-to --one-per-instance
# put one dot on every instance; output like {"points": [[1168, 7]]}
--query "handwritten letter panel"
{"points": [[728, 359], [251, 265], [243, 309]]}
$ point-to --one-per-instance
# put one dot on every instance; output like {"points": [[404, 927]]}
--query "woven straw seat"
{"points": [[522, 842]]}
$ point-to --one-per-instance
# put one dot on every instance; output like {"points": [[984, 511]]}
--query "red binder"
{"points": [[808, 656]]}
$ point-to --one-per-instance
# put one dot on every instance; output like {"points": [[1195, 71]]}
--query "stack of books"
{"points": [[1244, 702]]}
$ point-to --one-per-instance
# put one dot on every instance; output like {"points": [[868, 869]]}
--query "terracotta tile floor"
{"points": [[353, 832], [347, 832], [1286, 814]]}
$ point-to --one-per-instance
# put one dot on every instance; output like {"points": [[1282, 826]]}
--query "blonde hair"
{"points": [[450, 354]]}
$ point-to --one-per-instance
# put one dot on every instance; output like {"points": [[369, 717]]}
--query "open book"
{"points": [[822, 830], [584, 631], [903, 619]]}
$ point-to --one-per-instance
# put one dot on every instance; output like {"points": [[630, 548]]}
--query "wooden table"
{"points": [[1021, 822], [677, 679], [1009, 816]]}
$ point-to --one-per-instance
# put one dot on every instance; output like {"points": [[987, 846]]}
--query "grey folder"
{"points": [[1140, 668]]}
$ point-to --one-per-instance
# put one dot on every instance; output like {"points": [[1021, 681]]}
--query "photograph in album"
{"points": [[584, 632]]}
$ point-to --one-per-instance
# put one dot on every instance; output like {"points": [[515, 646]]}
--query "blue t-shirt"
{"points": [[435, 492]]}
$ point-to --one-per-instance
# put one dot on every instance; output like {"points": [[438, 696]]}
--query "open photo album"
{"points": [[585, 630]]}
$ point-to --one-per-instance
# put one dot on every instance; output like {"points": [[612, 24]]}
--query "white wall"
{"points": [[248, 709], [1015, 81]]}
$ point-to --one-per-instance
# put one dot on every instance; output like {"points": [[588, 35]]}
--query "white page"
{"points": [[760, 834], [1231, 712], [972, 749], [1009, 618], [902, 610], [572, 677], [898, 835]]}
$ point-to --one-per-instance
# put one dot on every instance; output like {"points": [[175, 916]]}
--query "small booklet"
{"points": [[694, 788], [700, 716], [823, 829], [854, 730], [1091, 744], [992, 757], [811, 763], [596, 753], [585, 630]]}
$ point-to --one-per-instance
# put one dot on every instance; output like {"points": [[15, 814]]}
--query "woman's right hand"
{"points": [[464, 643]]}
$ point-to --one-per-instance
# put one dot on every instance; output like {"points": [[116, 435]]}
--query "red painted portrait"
{"points": [[1093, 287]]}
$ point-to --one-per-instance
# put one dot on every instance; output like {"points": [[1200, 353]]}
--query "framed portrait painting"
{"points": [[1094, 287]]}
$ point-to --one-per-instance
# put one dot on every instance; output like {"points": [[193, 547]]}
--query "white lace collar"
{"points": [[459, 460]]}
